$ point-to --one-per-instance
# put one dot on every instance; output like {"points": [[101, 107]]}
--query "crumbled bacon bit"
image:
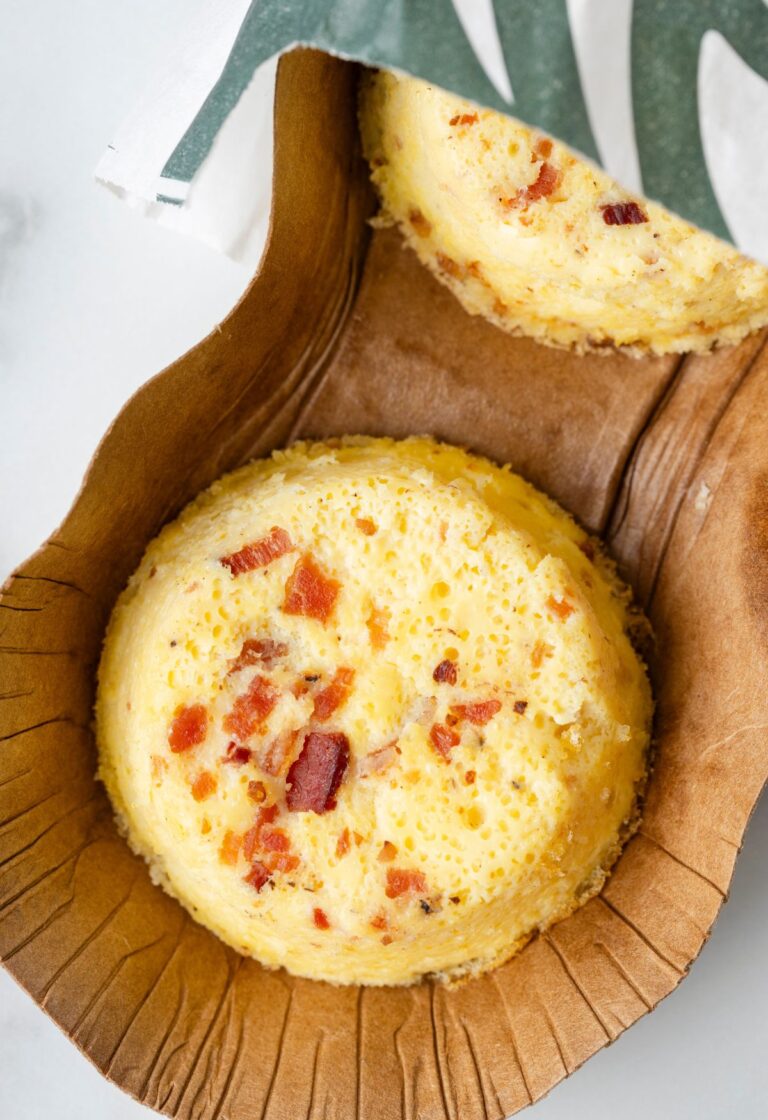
{"points": [[478, 713], [386, 939], [469, 777], [448, 264], [401, 882], [623, 214], [588, 549], [278, 752], [542, 187], [188, 727], [252, 838], [317, 773], [320, 918], [561, 607], [309, 591], [250, 710], [204, 785], [420, 224], [443, 739], [331, 698], [274, 840], [230, 848], [377, 627], [258, 650], [366, 526], [380, 921], [520, 706], [299, 688], [464, 118], [236, 754], [283, 862], [259, 553], [539, 652], [342, 844], [445, 672], [378, 760], [257, 792], [544, 147], [258, 876], [388, 852]]}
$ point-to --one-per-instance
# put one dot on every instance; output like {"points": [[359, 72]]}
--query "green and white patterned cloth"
{"points": [[670, 96]]}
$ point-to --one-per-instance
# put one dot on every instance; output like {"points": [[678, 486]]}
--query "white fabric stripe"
{"points": [[734, 129], [601, 31], [479, 22]]}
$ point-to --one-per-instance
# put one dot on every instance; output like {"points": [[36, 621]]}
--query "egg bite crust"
{"points": [[542, 242], [370, 711]]}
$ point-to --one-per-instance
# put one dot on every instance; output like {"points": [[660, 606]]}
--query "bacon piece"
{"points": [[320, 918], [443, 739], [278, 752], [520, 706], [317, 773], [445, 672], [478, 712], [309, 591], [204, 785], [469, 777], [378, 760], [380, 921], [258, 876], [283, 861], [259, 553], [274, 840], [421, 225], [251, 709], [366, 526], [464, 118], [230, 848], [545, 183], [257, 792], [448, 265], [342, 844], [331, 698], [236, 754], [401, 882], [623, 214], [387, 853], [256, 651], [188, 727], [252, 838], [377, 627], [561, 607], [544, 147]]}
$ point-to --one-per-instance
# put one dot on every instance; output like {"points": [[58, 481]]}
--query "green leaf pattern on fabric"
{"points": [[426, 38]]}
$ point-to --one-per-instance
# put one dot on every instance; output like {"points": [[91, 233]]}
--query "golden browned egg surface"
{"points": [[370, 711], [542, 242]]}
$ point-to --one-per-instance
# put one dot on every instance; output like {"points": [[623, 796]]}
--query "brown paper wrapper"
{"points": [[343, 331]]}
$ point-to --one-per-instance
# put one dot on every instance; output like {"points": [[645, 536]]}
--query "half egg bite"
{"points": [[542, 242], [370, 711]]}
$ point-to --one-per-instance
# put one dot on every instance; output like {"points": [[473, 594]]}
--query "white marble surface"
{"points": [[92, 302]]}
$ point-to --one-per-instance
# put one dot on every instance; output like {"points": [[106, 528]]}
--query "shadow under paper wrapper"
{"points": [[343, 331]]}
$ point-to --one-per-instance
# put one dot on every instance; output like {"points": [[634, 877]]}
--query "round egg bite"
{"points": [[542, 242], [370, 711]]}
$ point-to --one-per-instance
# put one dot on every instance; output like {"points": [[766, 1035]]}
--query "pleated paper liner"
{"points": [[343, 331]]}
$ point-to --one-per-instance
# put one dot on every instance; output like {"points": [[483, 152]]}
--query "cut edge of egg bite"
{"points": [[371, 711], [540, 241]]}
